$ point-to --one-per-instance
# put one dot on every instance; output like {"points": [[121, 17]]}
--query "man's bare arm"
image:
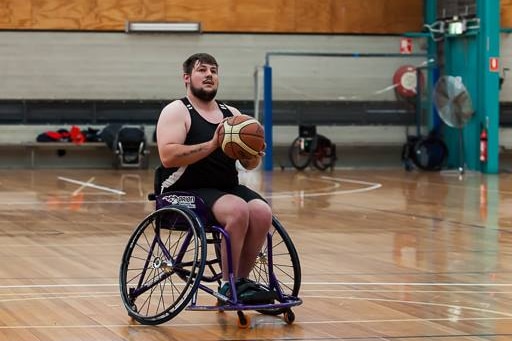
{"points": [[171, 133]]}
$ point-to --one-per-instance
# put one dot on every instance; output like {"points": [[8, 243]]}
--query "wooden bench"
{"points": [[31, 154], [19, 149]]}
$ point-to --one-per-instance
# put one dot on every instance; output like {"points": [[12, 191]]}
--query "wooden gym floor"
{"points": [[385, 254]]}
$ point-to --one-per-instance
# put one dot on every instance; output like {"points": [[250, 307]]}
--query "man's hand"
{"points": [[215, 139], [252, 162]]}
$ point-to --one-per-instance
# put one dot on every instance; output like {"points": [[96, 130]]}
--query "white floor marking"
{"points": [[447, 284], [79, 189], [369, 186], [85, 184], [416, 302]]}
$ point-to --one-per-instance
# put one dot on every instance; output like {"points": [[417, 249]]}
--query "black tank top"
{"points": [[216, 170]]}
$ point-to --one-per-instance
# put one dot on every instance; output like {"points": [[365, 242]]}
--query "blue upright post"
{"points": [[461, 60], [488, 104], [267, 116]]}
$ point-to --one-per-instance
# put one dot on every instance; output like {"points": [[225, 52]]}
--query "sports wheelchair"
{"points": [[130, 148], [312, 147], [175, 252]]}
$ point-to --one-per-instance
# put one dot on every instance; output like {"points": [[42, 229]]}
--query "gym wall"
{"points": [[85, 65], [60, 49]]}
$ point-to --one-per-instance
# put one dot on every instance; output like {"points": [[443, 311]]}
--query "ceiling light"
{"points": [[148, 26]]}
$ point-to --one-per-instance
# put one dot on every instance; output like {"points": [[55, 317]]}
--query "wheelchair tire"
{"points": [[325, 157], [300, 158], [430, 153], [162, 265], [286, 265]]}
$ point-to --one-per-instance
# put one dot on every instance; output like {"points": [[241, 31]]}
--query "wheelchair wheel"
{"points": [[301, 151], [325, 157], [286, 265], [162, 265]]}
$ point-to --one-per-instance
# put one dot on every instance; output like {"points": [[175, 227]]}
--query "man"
{"points": [[187, 133]]}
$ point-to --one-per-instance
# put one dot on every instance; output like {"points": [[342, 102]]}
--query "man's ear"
{"points": [[186, 78]]}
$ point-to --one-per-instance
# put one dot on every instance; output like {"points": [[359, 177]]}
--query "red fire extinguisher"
{"points": [[483, 145]]}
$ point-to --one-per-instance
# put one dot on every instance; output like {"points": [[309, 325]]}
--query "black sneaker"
{"points": [[250, 292], [241, 285]]}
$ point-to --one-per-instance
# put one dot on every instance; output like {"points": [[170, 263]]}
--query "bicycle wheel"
{"points": [[301, 151], [162, 265]]}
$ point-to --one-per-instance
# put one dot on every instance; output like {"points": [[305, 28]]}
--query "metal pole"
{"points": [[267, 117]]}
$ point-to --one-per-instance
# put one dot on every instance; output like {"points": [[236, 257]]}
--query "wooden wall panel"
{"points": [[113, 14], [109, 15], [277, 16], [235, 15], [304, 16], [506, 13], [396, 16], [60, 14], [313, 16], [93, 14], [15, 14]]}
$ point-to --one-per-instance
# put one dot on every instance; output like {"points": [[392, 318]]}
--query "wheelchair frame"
{"points": [[167, 254]]}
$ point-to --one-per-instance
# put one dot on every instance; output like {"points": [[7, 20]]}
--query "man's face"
{"points": [[203, 81]]}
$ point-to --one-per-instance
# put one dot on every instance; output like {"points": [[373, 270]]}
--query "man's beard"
{"points": [[203, 94]]}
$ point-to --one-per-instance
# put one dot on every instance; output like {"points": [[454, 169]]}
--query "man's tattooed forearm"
{"points": [[192, 151]]}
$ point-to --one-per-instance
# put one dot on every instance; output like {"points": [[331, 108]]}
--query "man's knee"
{"points": [[260, 211], [232, 211]]}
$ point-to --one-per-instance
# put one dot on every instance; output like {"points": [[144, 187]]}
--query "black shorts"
{"points": [[210, 195]]}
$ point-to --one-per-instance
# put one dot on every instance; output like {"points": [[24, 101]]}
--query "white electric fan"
{"points": [[455, 108]]}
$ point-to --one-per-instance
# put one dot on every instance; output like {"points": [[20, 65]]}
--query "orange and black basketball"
{"points": [[241, 137]]}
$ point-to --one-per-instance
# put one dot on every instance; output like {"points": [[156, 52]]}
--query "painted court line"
{"points": [[447, 284], [368, 186], [79, 189], [188, 325], [86, 184]]}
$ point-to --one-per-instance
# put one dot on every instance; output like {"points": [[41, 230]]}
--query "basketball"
{"points": [[241, 137]]}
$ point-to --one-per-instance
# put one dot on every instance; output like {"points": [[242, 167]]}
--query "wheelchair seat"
{"points": [[188, 200]]}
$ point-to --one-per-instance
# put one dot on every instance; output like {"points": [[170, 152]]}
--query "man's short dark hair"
{"points": [[203, 58]]}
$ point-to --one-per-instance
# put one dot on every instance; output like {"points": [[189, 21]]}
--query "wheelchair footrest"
{"points": [[291, 302]]}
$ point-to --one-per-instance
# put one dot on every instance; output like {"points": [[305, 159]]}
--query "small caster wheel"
{"points": [[289, 316], [134, 308], [244, 321]]}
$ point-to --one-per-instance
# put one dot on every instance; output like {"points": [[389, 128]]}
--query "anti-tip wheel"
{"points": [[244, 321], [289, 316]]}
